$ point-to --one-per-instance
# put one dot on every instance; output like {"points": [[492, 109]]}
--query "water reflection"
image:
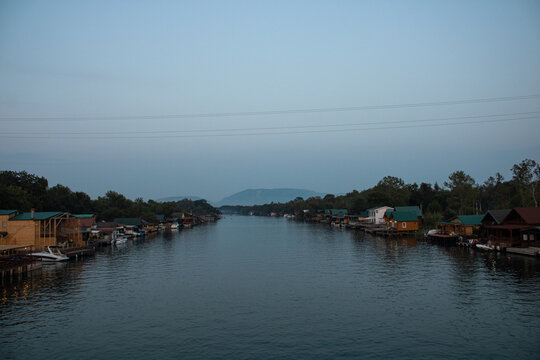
{"points": [[276, 289]]}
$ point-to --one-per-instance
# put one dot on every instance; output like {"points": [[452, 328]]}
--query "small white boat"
{"points": [[52, 253], [174, 226], [485, 247]]}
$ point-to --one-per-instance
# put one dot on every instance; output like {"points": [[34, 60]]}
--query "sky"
{"points": [[208, 98]]}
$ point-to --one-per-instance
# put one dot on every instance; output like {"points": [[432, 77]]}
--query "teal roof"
{"points": [[37, 215], [84, 216], [7, 212], [128, 221], [469, 219], [336, 211], [534, 228], [411, 209], [404, 216]]}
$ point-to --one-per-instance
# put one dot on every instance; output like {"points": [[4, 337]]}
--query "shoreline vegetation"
{"points": [[24, 191], [459, 195]]}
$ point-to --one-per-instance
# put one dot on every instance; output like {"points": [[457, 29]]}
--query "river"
{"points": [[268, 288]]}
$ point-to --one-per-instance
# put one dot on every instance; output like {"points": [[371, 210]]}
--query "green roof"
{"points": [[536, 228], [469, 219], [404, 216], [128, 221], [84, 216], [336, 211], [411, 209], [37, 215], [7, 212]]}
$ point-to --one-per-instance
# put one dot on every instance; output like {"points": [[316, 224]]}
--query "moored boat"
{"points": [[52, 253], [485, 247]]}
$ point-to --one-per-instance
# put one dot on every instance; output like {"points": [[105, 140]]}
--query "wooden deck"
{"points": [[14, 268], [530, 251], [444, 238], [77, 252]]}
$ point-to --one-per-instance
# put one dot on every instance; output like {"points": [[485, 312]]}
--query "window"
{"points": [[525, 237], [4, 224], [404, 225]]}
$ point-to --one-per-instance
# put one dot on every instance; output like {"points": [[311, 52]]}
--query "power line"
{"points": [[275, 133], [86, 133], [272, 112]]}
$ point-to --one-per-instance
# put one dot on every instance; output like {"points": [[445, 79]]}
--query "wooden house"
{"points": [[461, 225], [412, 209], [335, 215], [88, 223], [518, 227], [402, 220], [42, 229], [188, 221], [494, 217], [5, 215]]}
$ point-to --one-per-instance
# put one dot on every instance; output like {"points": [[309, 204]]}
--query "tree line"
{"points": [[23, 191], [459, 195]]}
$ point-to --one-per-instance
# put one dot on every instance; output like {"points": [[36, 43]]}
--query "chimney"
{"points": [[32, 213]]}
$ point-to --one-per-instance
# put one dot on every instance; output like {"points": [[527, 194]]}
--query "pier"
{"points": [[13, 265], [530, 251]]}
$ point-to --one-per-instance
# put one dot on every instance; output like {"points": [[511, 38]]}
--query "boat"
{"points": [[52, 253], [485, 247], [174, 226], [118, 238]]}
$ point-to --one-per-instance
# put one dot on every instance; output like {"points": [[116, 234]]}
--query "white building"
{"points": [[376, 214]]}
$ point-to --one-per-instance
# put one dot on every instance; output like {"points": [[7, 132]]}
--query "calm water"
{"points": [[267, 288]]}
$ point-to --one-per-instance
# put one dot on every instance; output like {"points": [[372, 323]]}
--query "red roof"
{"points": [[87, 223], [531, 215]]}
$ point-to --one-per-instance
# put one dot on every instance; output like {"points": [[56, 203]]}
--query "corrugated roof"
{"points": [[128, 221], [404, 216], [7, 212], [37, 215], [84, 216], [469, 219], [412, 209]]}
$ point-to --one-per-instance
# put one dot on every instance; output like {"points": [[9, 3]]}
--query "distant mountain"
{"points": [[266, 196], [178, 198]]}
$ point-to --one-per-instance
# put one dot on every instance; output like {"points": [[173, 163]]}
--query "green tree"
{"points": [[463, 193], [527, 176]]}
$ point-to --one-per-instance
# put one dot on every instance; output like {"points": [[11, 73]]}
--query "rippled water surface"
{"points": [[267, 288]]}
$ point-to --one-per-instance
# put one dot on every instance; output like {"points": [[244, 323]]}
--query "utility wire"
{"points": [[275, 133], [272, 112], [127, 132]]}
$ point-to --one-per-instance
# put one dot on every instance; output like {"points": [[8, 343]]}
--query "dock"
{"points": [[444, 238], [15, 267], [77, 252], [530, 251]]}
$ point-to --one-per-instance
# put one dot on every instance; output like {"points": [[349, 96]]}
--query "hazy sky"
{"points": [[92, 80]]}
